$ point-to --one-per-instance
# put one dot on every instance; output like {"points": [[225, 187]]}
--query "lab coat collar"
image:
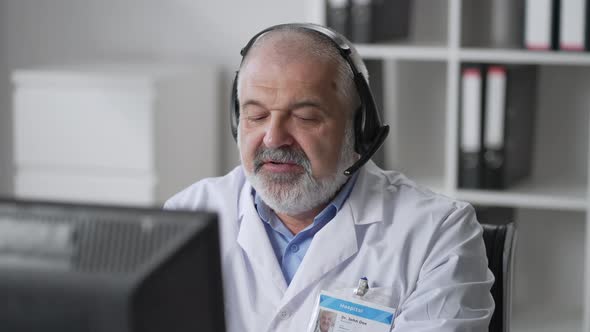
{"points": [[253, 239], [366, 198], [337, 241], [332, 245]]}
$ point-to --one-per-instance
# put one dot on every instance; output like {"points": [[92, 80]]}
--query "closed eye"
{"points": [[306, 118], [308, 113], [256, 117], [254, 112]]}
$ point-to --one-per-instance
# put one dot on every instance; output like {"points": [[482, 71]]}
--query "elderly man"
{"points": [[325, 321], [305, 212]]}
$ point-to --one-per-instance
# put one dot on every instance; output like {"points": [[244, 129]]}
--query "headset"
{"points": [[369, 132]]}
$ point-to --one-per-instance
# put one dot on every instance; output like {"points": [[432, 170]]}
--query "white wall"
{"points": [[42, 32]]}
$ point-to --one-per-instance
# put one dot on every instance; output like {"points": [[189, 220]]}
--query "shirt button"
{"points": [[294, 248], [284, 314]]}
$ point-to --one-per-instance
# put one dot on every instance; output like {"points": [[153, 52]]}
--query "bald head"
{"points": [[289, 45]]}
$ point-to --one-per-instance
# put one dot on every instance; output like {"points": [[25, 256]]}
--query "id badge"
{"points": [[336, 312]]}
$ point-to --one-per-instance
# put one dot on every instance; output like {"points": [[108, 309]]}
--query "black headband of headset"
{"points": [[368, 130]]}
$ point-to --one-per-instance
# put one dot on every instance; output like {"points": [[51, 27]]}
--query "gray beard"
{"points": [[296, 193]]}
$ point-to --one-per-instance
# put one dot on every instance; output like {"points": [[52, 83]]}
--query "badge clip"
{"points": [[363, 287]]}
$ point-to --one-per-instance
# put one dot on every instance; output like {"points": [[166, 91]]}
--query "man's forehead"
{"points": [[297, 81], [270, 68]]}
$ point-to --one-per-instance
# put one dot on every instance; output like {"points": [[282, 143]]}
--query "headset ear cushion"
{"points": [[359, 139], [367, 120], [234, 109]]}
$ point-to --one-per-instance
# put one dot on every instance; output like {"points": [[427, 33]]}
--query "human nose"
{"points": [[277, 133]]}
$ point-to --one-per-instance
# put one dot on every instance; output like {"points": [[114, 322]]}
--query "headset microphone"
{"points": [[381, 136], [369, 132]]}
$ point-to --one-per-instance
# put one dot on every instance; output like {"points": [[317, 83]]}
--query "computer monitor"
{"points": [[71, 267]]}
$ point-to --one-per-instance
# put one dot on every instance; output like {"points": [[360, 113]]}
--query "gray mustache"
{"points": [[282, 155]]}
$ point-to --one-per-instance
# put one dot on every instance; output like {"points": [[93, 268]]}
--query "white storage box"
{"points": [[114, 134]]}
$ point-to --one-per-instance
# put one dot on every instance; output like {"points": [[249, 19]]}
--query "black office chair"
{"points": [[500, 242]]}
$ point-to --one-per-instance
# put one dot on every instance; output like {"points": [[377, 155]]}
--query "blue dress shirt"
{"points": [[290, 249]]}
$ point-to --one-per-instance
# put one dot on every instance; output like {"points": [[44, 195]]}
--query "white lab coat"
{"points": [[422, 249]]}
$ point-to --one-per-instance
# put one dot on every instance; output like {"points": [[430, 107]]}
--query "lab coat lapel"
{"points": [[253, 239], [367, 198], [337, 240], [332, 245]]}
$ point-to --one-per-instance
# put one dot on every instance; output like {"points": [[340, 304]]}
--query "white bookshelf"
{"points": [[421, 82], [552, 196], [523, 56], [403, 52]]}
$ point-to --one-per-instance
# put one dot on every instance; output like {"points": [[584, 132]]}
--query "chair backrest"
{"points": [[500, 243]]}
